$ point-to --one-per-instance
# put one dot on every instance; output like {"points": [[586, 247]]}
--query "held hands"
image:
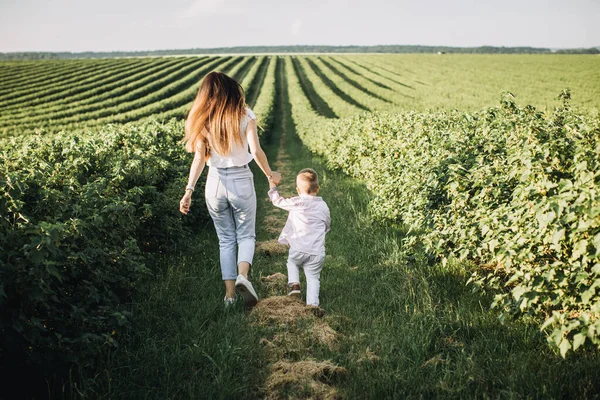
{"points": [[275, 178], [185, 203]]}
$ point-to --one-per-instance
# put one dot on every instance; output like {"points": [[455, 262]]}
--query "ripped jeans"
{"points": [[231, 202]]}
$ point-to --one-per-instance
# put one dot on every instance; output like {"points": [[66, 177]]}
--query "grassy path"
{"points": [[296, 338], [395, 325]]}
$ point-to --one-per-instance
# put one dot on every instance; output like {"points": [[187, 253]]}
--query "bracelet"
{"points": [[189, 187]]}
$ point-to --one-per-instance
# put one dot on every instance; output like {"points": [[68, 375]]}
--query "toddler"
{"points": [[308, 222]]}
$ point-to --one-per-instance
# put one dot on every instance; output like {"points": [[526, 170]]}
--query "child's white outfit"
{"points": [[308, 222]]}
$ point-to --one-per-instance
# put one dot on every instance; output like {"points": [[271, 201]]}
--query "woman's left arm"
{"points": [[195, 172]]}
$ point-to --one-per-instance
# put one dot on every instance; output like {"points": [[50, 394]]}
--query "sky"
{"points": [[128, 25]]}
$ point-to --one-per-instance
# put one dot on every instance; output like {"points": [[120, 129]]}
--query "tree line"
{"points": [[298, 49]]}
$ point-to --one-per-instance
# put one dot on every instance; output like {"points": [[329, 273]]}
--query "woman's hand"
{"points": [[186, 202], [275, 177]]}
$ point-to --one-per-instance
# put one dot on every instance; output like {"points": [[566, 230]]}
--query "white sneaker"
{"points": [[245, 288]]}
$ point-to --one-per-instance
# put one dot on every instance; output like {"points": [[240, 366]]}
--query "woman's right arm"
{"points": [[258, 153], [195, 172]]}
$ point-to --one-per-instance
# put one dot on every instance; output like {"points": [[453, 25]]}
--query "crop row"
{"points": [[179, 94], [316, 101], [45, 72], [265, 95], [127, 95], [335, 68], [163, 94], [245, 72], [100, 103], [336, 100], [177, 106], [117, 98], [375, 82], [62, 82], [95, 91], [66, 88], [255, 79], [11, 71]]}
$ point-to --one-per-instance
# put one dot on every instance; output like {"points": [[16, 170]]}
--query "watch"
{"points": [[189, 187]]}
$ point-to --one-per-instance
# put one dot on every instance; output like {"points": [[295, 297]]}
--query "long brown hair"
{"points": [[216, 113]]}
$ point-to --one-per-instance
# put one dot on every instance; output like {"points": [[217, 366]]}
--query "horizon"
{"points": [[113, 26], [294, 45]]}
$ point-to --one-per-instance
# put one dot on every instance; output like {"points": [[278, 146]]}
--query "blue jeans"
{"points": [[231, 202]]}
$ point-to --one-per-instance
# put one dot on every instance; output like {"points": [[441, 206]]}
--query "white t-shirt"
{"points": [[240, 155]]}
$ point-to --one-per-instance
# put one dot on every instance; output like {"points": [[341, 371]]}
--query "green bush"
{"points": [[81, 217], [511, 188]]}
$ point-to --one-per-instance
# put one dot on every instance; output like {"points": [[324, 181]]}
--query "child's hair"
{"points": [[309, 179]]}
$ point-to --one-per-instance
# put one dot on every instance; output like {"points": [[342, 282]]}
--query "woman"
{"points": [[219, 129]]}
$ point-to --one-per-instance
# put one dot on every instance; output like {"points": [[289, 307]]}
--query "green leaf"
{"points": [[518, 291], [564, 347], [558, 236], [587, 295], [492, 244], [545, 219], [54, 272], [578, 340], [547, 323], [579, 249], [484, 230]]}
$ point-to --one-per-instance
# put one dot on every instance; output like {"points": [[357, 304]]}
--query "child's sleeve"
{"points": [[281, 202], [327, 220]]}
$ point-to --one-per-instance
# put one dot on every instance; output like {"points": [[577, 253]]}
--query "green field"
{"points": [[464, 257], [88, 93]]}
